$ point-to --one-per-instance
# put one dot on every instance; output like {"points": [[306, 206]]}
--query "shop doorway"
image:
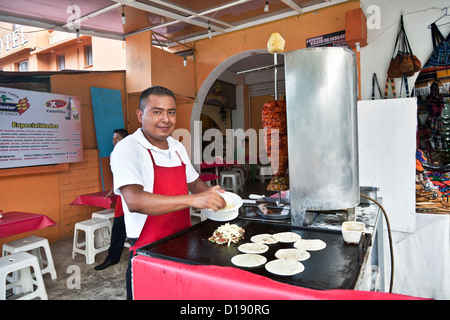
{"points": [[237, 70]]}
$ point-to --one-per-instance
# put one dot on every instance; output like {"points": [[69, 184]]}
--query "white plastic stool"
{"points": [[107, 214], [95, 242], [21, 263], [33, 245], [103, 214], [241, 173], [265, 172], [197, 213], [231, 181]]}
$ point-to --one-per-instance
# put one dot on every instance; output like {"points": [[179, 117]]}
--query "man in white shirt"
{"points": [[153, 175]]}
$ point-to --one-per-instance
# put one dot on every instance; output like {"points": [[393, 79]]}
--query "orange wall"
{"points": [[108, 54], [74, 55], [148, 66], [138, 61], [295, 30], [79, 85]]}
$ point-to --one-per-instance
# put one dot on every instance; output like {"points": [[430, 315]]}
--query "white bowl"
{"points": [[225, 214], [352, 231]]}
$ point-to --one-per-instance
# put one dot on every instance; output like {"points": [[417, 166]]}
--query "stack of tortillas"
{"points": [[288, 259]]}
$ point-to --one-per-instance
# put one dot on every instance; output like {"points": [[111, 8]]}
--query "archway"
{"points": [[196, 138]]}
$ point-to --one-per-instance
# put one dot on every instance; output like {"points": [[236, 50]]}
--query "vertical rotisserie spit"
{"points": [[274, 118]]}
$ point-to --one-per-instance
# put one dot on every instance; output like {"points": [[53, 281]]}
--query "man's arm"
{"points": [[197, 186], [145, 202]]}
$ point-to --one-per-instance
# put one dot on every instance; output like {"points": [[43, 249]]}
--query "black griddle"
{"points": [[335, 267]]}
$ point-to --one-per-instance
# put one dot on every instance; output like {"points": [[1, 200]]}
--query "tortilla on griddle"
{"points": [[287, 237], [310, 244], [284, 267], [253, 247], [293, 254], [263, 238], [248, 260]]}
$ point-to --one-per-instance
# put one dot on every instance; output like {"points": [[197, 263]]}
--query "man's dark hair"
{"points": [[122, 132], [155, 90]]}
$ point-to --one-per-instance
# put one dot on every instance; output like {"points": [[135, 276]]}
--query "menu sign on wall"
{"points": [[39, 128], [335, 39]]}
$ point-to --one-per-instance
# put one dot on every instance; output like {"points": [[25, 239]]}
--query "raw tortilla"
{"points": [[284, 267], [248, 260], [310, 244], [293, 254], [287, 237], [263, 238], [253, 248]]}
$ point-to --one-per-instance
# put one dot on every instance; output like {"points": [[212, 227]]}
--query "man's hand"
{"points": [[209, 199]]}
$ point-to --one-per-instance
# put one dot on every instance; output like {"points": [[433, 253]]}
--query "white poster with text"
{"points": [[39, 128]]}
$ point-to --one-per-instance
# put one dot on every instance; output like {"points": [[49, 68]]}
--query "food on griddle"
{"points": [[248, 260], [252, 247], [287, 237], [274, 118], [263, 238], [310, 244], [294, 254], [227, 233], [284, 267]]}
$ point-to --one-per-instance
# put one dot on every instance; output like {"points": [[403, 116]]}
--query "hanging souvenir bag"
{"points": [[441, 52], [394, 65], [415, 65], [406, 62]]}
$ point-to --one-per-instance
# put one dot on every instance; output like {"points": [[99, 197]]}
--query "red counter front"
{"points": [[158, 279]]}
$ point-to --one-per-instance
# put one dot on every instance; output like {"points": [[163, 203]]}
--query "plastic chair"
{"points": [[28, 287], [231, 181], [103, 214], [107, 214], [95, 239], [33, 244], [264, 172]]}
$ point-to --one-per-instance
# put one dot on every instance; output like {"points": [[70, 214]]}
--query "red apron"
{"points": [[168, 181], [118, 210]]}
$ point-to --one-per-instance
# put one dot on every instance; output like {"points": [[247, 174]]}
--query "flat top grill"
{"points": [[335, 267]]}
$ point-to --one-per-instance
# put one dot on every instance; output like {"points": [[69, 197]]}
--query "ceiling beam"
{"points": [[56, 27], [268, 19], [168, 14], [293, 5], [192, 14], [200, 14]]}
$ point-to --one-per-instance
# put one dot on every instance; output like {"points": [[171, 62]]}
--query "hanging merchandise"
{"points": [[432, 186], [403, 61], [375, 83], [416, 65], [389, 80], [441, 48]]}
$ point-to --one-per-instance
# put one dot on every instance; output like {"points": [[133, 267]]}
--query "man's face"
{"points": [[116, 138], [158, 119]]}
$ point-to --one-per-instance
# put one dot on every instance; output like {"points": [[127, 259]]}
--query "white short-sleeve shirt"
{"points": [[131, 164]]}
